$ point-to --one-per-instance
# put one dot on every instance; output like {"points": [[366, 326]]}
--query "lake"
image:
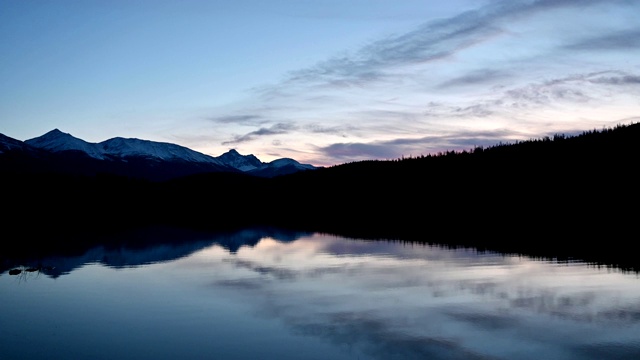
{"points": [[274, 294]]}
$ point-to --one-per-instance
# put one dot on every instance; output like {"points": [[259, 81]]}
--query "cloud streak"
{"points": [[375, 62], [246, 119], [477, 77], [276, 129], [442, 39], [501, 72], [621, 40], [406, 147]]}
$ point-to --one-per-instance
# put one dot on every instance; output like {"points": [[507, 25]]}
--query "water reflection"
{"points": [[143, 246], [264, 293], [407, 301]]}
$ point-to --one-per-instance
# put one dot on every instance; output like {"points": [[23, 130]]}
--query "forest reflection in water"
{"points": [[269, 293]]}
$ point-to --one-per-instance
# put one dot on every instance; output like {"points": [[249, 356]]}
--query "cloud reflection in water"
{"points": [[392, 300]]}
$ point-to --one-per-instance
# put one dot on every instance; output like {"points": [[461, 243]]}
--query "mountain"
{"points": [[280, 167], [251, 165], [241, 162], [10, 144], [57, 141], [59, 151]]}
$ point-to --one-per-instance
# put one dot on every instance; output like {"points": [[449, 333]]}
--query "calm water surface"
{"points": [[268, 295]]}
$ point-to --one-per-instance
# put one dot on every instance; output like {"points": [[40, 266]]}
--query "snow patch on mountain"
{"points": [[290, 162], [57, 141], [121, 147], [241, 162]]}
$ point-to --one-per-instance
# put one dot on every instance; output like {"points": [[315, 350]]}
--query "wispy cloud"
{"points": [[480, 77], [578, 88], [625, 40], [510, 103], [399, 147], [477, 77], [406, 57], [358, 151], [622, 79], [377, 60], [340, 130], [276, 129], [560, 91], [439, 40], [245, 119]]}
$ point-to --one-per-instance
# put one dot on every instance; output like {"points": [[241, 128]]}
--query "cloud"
{"points": [[490, 68], [323, 129], [477, 110], [477, 77], [625, 40], [276, 129], [561, 92], [388, 114], [375, 61], [618, 80], [509, 103], [577, 88], [399, 147], [433, 41], [352, 151], [540, 95], [245, 119], [360, 317], [278, 273], [373, 336]]}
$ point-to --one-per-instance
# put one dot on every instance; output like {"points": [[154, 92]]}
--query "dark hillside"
{"points": [[562, 196]]}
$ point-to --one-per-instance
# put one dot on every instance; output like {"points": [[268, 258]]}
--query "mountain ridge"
{"points": [[140, 158]]}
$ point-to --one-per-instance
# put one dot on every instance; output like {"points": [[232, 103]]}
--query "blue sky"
{"points": [[321, 81]]}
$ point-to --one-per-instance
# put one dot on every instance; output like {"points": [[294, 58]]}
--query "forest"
{"points": [[561, 197]]}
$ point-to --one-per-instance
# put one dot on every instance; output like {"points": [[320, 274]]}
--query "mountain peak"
{"points": [[240, 162], [55, 133], [56, 140]]}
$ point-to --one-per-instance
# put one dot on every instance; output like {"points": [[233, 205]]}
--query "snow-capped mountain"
{"points": [[252, 165], [280, 167], [283, 162], [141, 158], [122, 147], [58, 141], [241, 162]]}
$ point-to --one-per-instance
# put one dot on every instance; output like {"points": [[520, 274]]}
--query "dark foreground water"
{"points": [[261, 294]]}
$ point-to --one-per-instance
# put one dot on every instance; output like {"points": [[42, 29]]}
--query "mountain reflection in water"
{"points": [[270, 293], [145, 246]]}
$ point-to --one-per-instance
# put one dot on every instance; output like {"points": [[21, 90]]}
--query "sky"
{"points": [[324, 82]]}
